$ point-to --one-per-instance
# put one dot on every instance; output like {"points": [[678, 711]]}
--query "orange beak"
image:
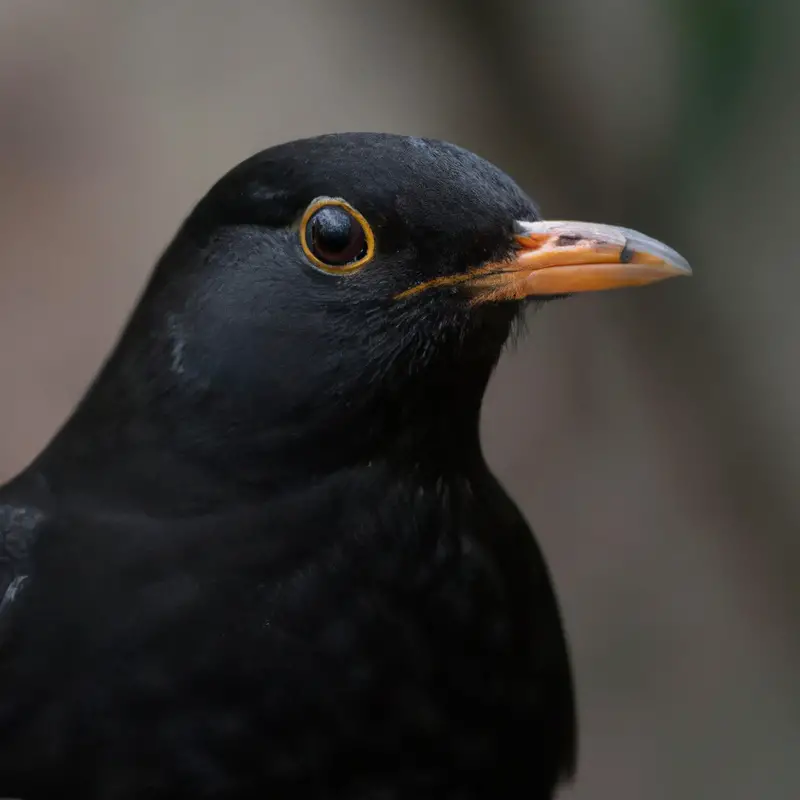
{"points": [[561, 257]]}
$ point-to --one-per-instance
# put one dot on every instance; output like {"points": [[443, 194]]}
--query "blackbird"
{"points": [[265, 557]]}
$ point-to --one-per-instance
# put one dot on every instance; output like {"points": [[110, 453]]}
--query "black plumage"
{"points": [[265, 556]]}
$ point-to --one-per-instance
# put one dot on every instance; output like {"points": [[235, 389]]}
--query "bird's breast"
{"points": [[378, 629]]}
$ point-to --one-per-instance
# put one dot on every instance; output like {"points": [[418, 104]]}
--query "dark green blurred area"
{"points": [[652, 436]]}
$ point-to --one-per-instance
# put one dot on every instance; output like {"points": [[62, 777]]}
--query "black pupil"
{"points": [[336, 237]]}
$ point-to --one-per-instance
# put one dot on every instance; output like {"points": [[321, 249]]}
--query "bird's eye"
{"points": [[335, 237]]}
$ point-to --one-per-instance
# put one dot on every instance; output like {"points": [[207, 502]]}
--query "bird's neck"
{"points": [[157, 438], [125, 448]]}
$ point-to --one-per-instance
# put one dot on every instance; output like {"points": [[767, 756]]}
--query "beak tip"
{"points": [[681, 268]]}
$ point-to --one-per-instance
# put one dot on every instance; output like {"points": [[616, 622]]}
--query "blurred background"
{"points": [[651, 436]]}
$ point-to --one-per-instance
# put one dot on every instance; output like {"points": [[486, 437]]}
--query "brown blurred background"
{"points": [[651, 436]]}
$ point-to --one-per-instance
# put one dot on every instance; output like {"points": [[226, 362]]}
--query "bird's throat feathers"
{"points": [[188, 398]]}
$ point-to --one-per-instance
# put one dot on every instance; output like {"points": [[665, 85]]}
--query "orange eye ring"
{"points": [[360, 240]]}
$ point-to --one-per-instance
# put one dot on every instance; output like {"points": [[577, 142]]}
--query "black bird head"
{"points": [[269, 522], [342, 296]]}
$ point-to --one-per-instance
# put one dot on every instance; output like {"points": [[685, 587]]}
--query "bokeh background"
{"points": [[652, 436]]}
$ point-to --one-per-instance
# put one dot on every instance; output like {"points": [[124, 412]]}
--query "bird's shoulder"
{"points": [[24, 511]]}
